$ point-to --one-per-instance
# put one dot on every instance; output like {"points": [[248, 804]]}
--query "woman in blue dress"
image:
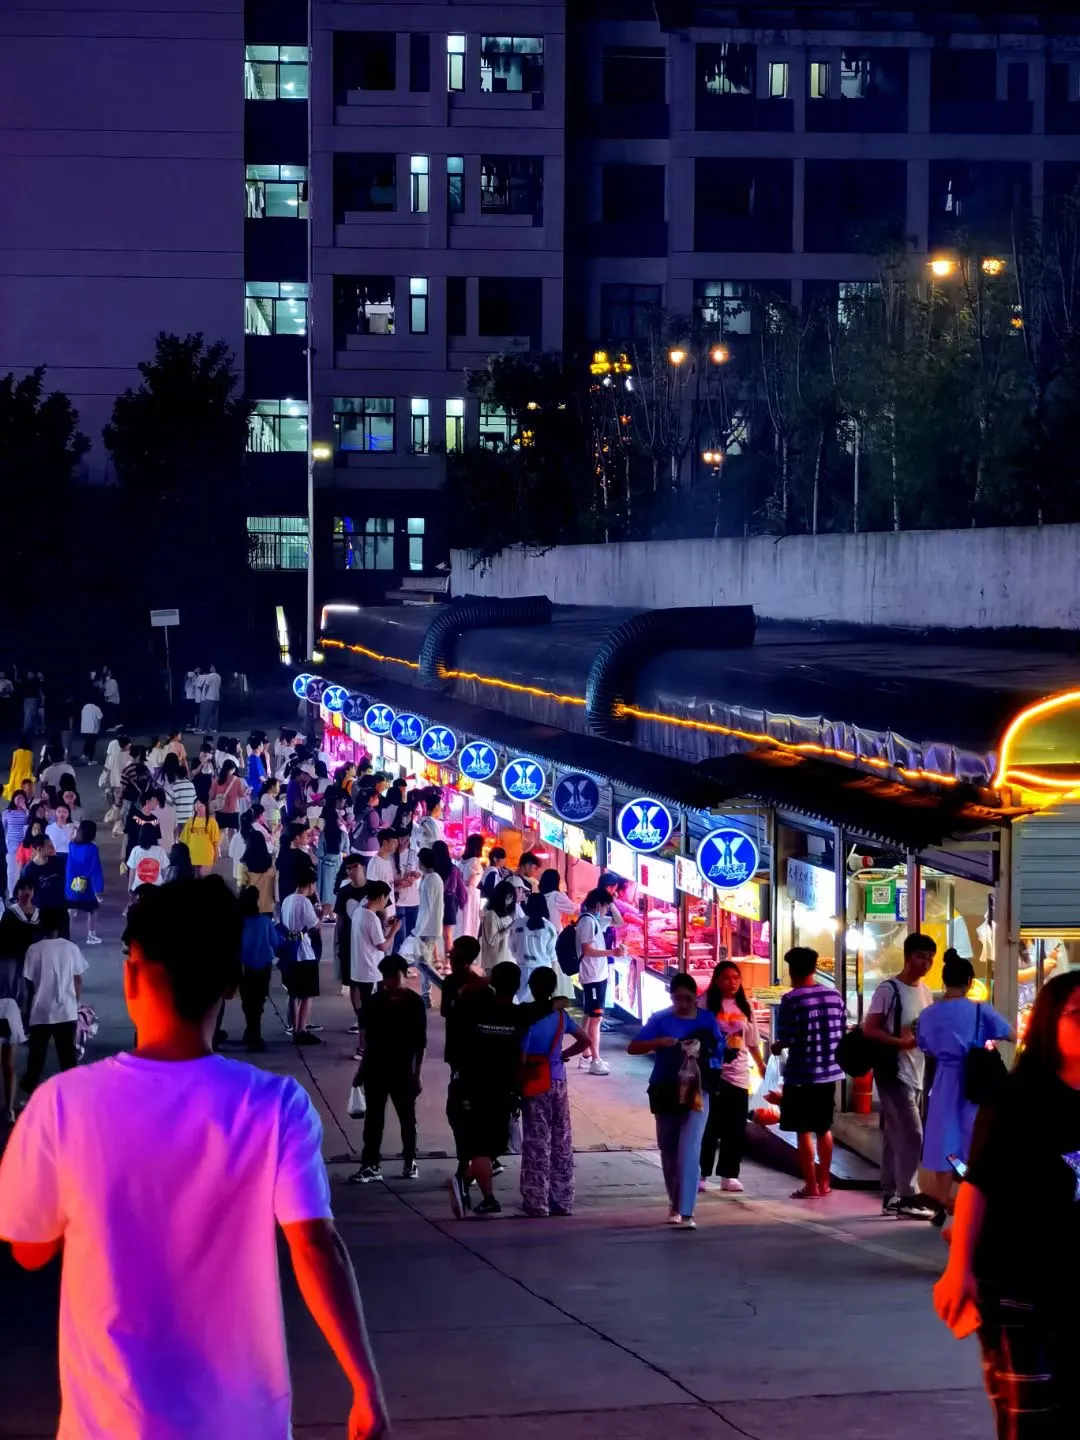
{"points": [[947, 1031]]}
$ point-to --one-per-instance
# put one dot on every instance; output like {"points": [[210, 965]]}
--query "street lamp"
{"points": [[322, 450], [677, 355], [942, 266], [715, 458], [993, 265], [719, 354]]}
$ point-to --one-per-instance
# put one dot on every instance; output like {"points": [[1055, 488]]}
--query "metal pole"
{"points": [[168, 665], [310, 625]]}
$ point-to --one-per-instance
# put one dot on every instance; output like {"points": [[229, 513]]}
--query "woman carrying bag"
{"points": [[682, 1041], [547, 1144], [727, 1079]]}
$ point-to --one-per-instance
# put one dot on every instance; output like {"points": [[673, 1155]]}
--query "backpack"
{"points": [[857, 1053], [566, 950], [488, 883]]}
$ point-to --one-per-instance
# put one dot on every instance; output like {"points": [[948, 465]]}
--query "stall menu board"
{"points": [[578, 845], [551, 831], [502, 811], [484, 795], [812, 886], [688, 877], [621, 859], [657, 878]]}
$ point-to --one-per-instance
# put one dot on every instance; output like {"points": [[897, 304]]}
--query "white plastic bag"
{"points": [[357, 1106], [409, 949], [765, 1101]]}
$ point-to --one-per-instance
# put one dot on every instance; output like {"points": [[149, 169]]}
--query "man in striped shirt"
{"points": [[809, 1023]]}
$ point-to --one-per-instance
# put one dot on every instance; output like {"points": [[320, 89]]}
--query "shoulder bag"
{"points": [[985, 1072], [536, 1069]]}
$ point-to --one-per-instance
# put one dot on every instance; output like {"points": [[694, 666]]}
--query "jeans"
{"points": [[724, 1140], [208, 716], [425, 960], [679, 1139], [407, 915], [547, 1151], [254, 989], [902, 1138], [38, 1037], [400, 1090]]}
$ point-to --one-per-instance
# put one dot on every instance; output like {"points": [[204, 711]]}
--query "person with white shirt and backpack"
{"points": [[593, 973]]}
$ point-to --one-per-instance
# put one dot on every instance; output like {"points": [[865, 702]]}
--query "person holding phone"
{"points": [[1012, 1270]]}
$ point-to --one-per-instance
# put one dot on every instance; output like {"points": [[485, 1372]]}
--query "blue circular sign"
{"points": [[644, 825], [727, 858], [438, 743], [576, 798], [524, 779], [353, 708], [406, 729], [478, 761], [378, 719], [299, 686], [334, 697]]}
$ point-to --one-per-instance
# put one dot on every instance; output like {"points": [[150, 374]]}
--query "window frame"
{"points": [[725, 311], [455, 184], [372, 540], [454, 424], [419, 425], [456, 63], [254, 304], [418, 305], [282, 89], [257, 191], [415, 538], [419, 184], [268, 422], [636, 306], [285, 537], [531, 69], [362, 412], [512, 185]]}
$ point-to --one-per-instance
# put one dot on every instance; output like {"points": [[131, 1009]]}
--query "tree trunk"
{"points": [[855, 484], [655, 474], [784, 479], [895, 491], [980, 473], [818, 462]]}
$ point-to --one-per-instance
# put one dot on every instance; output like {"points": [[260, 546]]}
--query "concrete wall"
{"points": [[958, 579], [121, 189]]}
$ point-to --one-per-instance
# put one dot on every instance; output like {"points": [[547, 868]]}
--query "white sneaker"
{"points": [[93, 940], [702, 1186], [734, 1187], [597, 1067], [583, 1062]]}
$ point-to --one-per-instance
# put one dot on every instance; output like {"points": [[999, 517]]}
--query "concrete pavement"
{"points": [[775, 1320]]}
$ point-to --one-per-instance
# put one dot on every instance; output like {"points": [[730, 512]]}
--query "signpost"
{"points": [[162, 620]]}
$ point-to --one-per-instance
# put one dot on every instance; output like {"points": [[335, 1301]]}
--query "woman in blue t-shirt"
{"points": [[547, 1145], [682, 1041]]}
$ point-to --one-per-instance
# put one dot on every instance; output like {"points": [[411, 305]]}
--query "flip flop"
{"points": [[804, 1194]]}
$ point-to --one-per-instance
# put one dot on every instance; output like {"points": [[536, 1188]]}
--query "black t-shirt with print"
{"points": [[1025, 1158]]}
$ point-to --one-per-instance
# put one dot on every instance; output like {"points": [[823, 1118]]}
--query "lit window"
{"points": [[723, 306], [729, 69], [511, 63], [455, 184], [418, 421], [455, 425], [495, 427], [275, 307], [415, 531], [819, 80], [275, 72], [363, 544], [364, 425], [854, 75], [277, 192], [277, 542], [418, 184], [511, 185], [278, 426], [363, 305], [778, 79], [455, 62], [418, 305]]}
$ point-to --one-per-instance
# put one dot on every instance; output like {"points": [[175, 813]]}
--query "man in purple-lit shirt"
{"points": [[809, 1024]]}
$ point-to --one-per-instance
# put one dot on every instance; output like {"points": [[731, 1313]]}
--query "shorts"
{"points": [[480, 1121], [302, 979], [594, 996], [808, 1109], [227, 819]]}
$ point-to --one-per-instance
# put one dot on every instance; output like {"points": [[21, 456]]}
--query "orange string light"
{"points": [[510, 685], [1019, 722], [371, 654]]}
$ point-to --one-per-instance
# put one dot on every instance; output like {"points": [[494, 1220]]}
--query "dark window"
{"points": [[456, 323], [963, 75], [727, 69], [363, 544], [364, 183], [632, 194], [511, 185], [363, 305], [510, 306], [979, 201], [364, 60], [419, 62], [511, 63], [633, 76], [742, 205], [851, 206], [1016, 79], [628, 312]]}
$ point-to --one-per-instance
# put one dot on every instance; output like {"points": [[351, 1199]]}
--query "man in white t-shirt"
{"points": [[890, 1020], [53, 968], [209, 694], [90, 726], [381, 866], [161, 1175], [429, 920], [593, 956]]}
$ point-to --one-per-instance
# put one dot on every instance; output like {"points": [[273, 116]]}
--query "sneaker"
{"points": [[702, 1185], [353, 1030], [532, 1214], [675, 1219], [731, 1185], [890, 1205], [497, 1167], [688, 1223], [255, 1045], [358, 1054], [488, 1207], [314, 1029], [911, 1207], [93, 939], [410, 1172], [306, 1038], [289, 1031], [459, 1200], [583, 1062], [598, 1067], [557, 1210], [365, 1175]]}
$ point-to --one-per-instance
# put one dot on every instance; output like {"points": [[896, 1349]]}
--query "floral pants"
{"points": [[547, 1152]]}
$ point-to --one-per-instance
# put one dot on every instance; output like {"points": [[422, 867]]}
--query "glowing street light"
{"points": [[677, 355], [719, 354], [993, 265], [321, 450], [941, 267], [713, 457]]}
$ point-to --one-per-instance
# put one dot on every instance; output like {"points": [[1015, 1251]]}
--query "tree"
{"points": [[178, 444]]}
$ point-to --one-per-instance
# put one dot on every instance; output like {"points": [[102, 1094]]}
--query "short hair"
{"points": [[465, 948], [305, 875], [376, 890], [354, 859], [919, 945], [495, 854], [956, 971], [86, 834], [386, 834], [192, 929], [529, 859], [394, 965], [427, 857], [801, 961], [37, 842], [26, 883], [53, 918], [543, 982], [506, 978], [682, 981], [595, 898]]}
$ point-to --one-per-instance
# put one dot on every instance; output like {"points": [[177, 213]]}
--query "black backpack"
{"points": [[566, 950], [857, 1053]]}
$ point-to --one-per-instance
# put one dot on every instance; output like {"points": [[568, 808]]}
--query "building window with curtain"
{"points": [[366, 544], [365, 424], [277, 427], [277, 542]]}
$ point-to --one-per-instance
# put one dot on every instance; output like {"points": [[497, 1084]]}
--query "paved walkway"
{"points": [[775, 1320]]}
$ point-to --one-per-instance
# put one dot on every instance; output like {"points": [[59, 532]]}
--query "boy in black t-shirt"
{"points": [[395, 1029]]}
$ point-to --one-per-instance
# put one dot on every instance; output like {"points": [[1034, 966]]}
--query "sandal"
{"points": [[804, 1194]]}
